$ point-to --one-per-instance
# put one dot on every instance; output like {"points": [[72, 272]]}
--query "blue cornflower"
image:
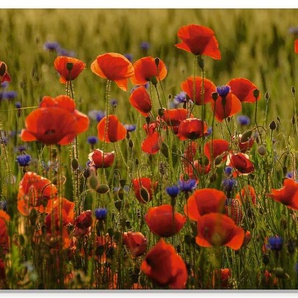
{"points": [[243, 120], [96, 115], [18, 105], [51, 45], [145, 45], [172, 191], [188, 185], [130, 127], [228, 184], [92, 140], [228, 170], [180, 98], [4, 84], [64, 52], [100, 213], [8, 95], [113, 102], [209, 131], [274, 243], [128, 57], [223, 90], [3, 205], [23, 160]]}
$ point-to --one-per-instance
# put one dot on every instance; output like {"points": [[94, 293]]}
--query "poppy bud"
{"points": [[293, 90], [262, 150], [160, 112], [246, 136], [256, 93], [267, 96], [214, 96], [272, 125], [153, 80], [74, 164], [93, 182], [87, 173], [130, 144], [102, 189], [293, 120], [156, 60], [118, 204], [120, 194]]}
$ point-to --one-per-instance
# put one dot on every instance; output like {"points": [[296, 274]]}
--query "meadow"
{"points": [[194, 186]]}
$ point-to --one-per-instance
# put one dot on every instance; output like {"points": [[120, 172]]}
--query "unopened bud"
{"points": [[256, 93], [272, 125]]}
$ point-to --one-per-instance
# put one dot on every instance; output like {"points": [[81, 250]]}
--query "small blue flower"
{"points": [[114, 102], [92, 140], [229, 183], [145, 45], [243, 120], [130, 127], [172, 191], [180, 98], [223, 90], [18, 105], [274, 243], [188, 185], [64, 52], [23, 160], [100, 213], [21, 148], [228, 170], [128, 57], [8, 95], [96, 115], [51, 46], [4, 84], [209, 131]]}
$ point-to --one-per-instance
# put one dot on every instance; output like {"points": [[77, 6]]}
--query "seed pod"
{"points": [[103, 188], [74, 164], [262, 150]]}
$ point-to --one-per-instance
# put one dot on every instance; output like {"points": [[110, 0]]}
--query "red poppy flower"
{"points": [[68, 67], [226, 107], [56, 121], [174, 117], [192, 128], [163, 221], [243, 89], [143, 189], [296, 46], [164, 266], [241, 163], [188, 87], [152, 143], [146, 70], [4, 238], [82, 224], [247, 193], [141, 101], [4, 75], [287, 195], [216, 148], [99, 159], [198, 40], [114, 67], [136, 243], [216, 229], [204, 201], [35, 192], [223, 276], [111, 131], [244, 143]]}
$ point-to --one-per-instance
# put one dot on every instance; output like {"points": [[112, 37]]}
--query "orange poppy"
{"points": [[165, 267], [4, 238], [56, 121], [146, 70], [152, 143], [188, 87], [136, 243], [35, 192], [174, 117], [141, 101], [99, 159], [163, 221], [143, 189], [247, 193], [241, 163], [68, 67], [111, 131], [4, 75], [225, 107], [204, 201], [192, 128], [198, 40], [114, 67], [287, 195], [296, 46], [216, 229], [215, 148], [243, 89]]}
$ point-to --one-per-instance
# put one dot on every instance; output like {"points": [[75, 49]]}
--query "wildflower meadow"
{"points": [[147, 149]]}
